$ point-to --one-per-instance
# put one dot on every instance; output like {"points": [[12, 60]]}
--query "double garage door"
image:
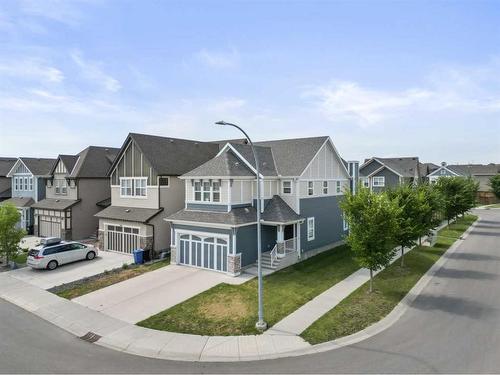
{"points": [[208, 252], [49, 226]]}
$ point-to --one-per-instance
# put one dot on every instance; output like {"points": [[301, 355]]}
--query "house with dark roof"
{"points": [[77, 188], [479, 172], [28, 177], [303, 182], [5, 182], [381, 173], [146, 188]]}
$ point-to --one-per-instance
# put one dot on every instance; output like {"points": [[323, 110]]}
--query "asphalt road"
{"points": [[453, 326]]}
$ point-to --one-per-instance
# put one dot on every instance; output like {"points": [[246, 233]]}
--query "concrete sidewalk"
{"points": [[298, 321], [142, 296], [280, 341]]}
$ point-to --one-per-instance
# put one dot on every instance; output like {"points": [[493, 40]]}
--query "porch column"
{"points": [[299, 245], [280, 240]]}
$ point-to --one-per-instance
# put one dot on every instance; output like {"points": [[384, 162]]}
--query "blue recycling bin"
{"points": [[138, 256]]}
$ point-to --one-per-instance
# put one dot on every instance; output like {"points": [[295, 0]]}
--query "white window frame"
{"points": [[338, 187], [134, 188], [442, 172], [325, 187], [345, 224], [207, 190], [365, 182], [61, 187], [310, 188], [31, 183], [378, 181], [168, 181], [311, 229], [283, 187], [16, 184], [26, 185]]}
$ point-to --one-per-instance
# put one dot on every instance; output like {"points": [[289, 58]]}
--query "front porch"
{"points": [[286, 250]]}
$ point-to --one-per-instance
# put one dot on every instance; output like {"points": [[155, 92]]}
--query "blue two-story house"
{"points": [[28, 178], [303, 182]]}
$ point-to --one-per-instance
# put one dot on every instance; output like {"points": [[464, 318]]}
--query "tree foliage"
{"points": [[431, 207], [495, 185], [373, 224], [459, 195], [10, 235]]}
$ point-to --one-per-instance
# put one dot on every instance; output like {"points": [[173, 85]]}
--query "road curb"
{"points": [[131, 339]]}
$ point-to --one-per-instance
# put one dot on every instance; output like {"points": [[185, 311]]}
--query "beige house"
{"points": [[145, 189]]}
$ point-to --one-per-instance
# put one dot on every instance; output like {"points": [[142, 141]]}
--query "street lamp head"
{"points": [[221, 123]]}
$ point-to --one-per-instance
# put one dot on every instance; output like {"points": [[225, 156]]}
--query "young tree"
{"points": [[9, 234], [452, 193], [407, 199], [470, 188], [373, 224], [430, 209], [495, 185]]}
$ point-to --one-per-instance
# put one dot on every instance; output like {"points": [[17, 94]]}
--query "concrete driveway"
{"points": [[46, 279], [138, 298]]}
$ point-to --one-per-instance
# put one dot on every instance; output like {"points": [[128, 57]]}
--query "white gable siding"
{"points": [[60, 168], [241, 191], [326, 164]]}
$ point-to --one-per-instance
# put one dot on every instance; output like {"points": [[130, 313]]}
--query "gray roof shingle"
{"points": [[226, 164], [276, 211], [19, 201], [6, 165], [405, 166], [39, 166], [172, 156], [141, 215], [94, 162], [55, 204]]}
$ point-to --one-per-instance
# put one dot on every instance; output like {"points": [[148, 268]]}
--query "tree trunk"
{"points": [[371, 280], [402, 256], [420, 241]]}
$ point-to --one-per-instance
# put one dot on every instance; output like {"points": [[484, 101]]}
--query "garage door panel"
{"points": [[121, 239], [210, 253]]}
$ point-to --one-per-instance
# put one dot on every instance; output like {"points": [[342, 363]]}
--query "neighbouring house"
{"points": [[381, 173], [28, 177], [303, 182], [5, 182], [479, 172], [78, 188], [145, 188]]}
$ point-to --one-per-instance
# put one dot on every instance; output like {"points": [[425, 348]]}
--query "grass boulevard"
{"points": [[229, 309]]}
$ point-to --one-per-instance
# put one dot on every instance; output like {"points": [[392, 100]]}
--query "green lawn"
{"points": [[81, 287], [232, 309], [497, 205], [361, 309]]}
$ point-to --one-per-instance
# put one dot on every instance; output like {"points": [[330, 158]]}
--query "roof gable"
{"points": [[5, 165], [225, 164]]}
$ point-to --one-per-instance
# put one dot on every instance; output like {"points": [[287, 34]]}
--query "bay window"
{"points": [[207, 191]]}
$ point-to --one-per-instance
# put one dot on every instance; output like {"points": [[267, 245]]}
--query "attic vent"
{"points": [[443, 163], [127, 210]]}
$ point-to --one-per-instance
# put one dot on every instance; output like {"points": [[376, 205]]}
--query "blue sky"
{"points": [[381, 78]]}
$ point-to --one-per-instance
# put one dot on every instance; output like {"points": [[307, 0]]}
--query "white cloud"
{"points": [[30, 68], [93, 71], [67, 12], [219, 59], [473, 90]]}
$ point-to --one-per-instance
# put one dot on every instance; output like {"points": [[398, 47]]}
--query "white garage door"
{"points": [[122, 239], [49, 227], [209, 252]]}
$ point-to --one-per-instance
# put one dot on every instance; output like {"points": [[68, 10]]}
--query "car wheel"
{"points": [[52, 265], [90, 255]]}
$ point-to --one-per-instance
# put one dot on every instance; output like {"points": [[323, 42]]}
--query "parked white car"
{"points": [[53, 252]]}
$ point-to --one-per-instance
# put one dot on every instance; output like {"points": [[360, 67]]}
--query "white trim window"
{"points": [[133, 187], [16, 183], [31, 183], [26, 183], [287, 187], [338, 187], [345, 224], [164, 181], [61, 187], [325, 187], [311, 230], [310, 187], [206, 191], [365, 182], [378, 181], [443, 171]]}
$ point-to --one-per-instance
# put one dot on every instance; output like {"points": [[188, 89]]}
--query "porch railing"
{"points": [[274, 254], [290, 244]]}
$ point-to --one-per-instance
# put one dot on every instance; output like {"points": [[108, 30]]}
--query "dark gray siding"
{"points": [[207, 207], [41, 188], [246, 242], [391, 179], [370, 168], [328, 221]]}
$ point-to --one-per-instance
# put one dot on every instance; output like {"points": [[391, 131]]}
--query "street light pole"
{"points": [[261, 325]]}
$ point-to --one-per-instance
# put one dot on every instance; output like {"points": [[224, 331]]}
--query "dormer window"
{"points": [[61, 187], [207, 191]]}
